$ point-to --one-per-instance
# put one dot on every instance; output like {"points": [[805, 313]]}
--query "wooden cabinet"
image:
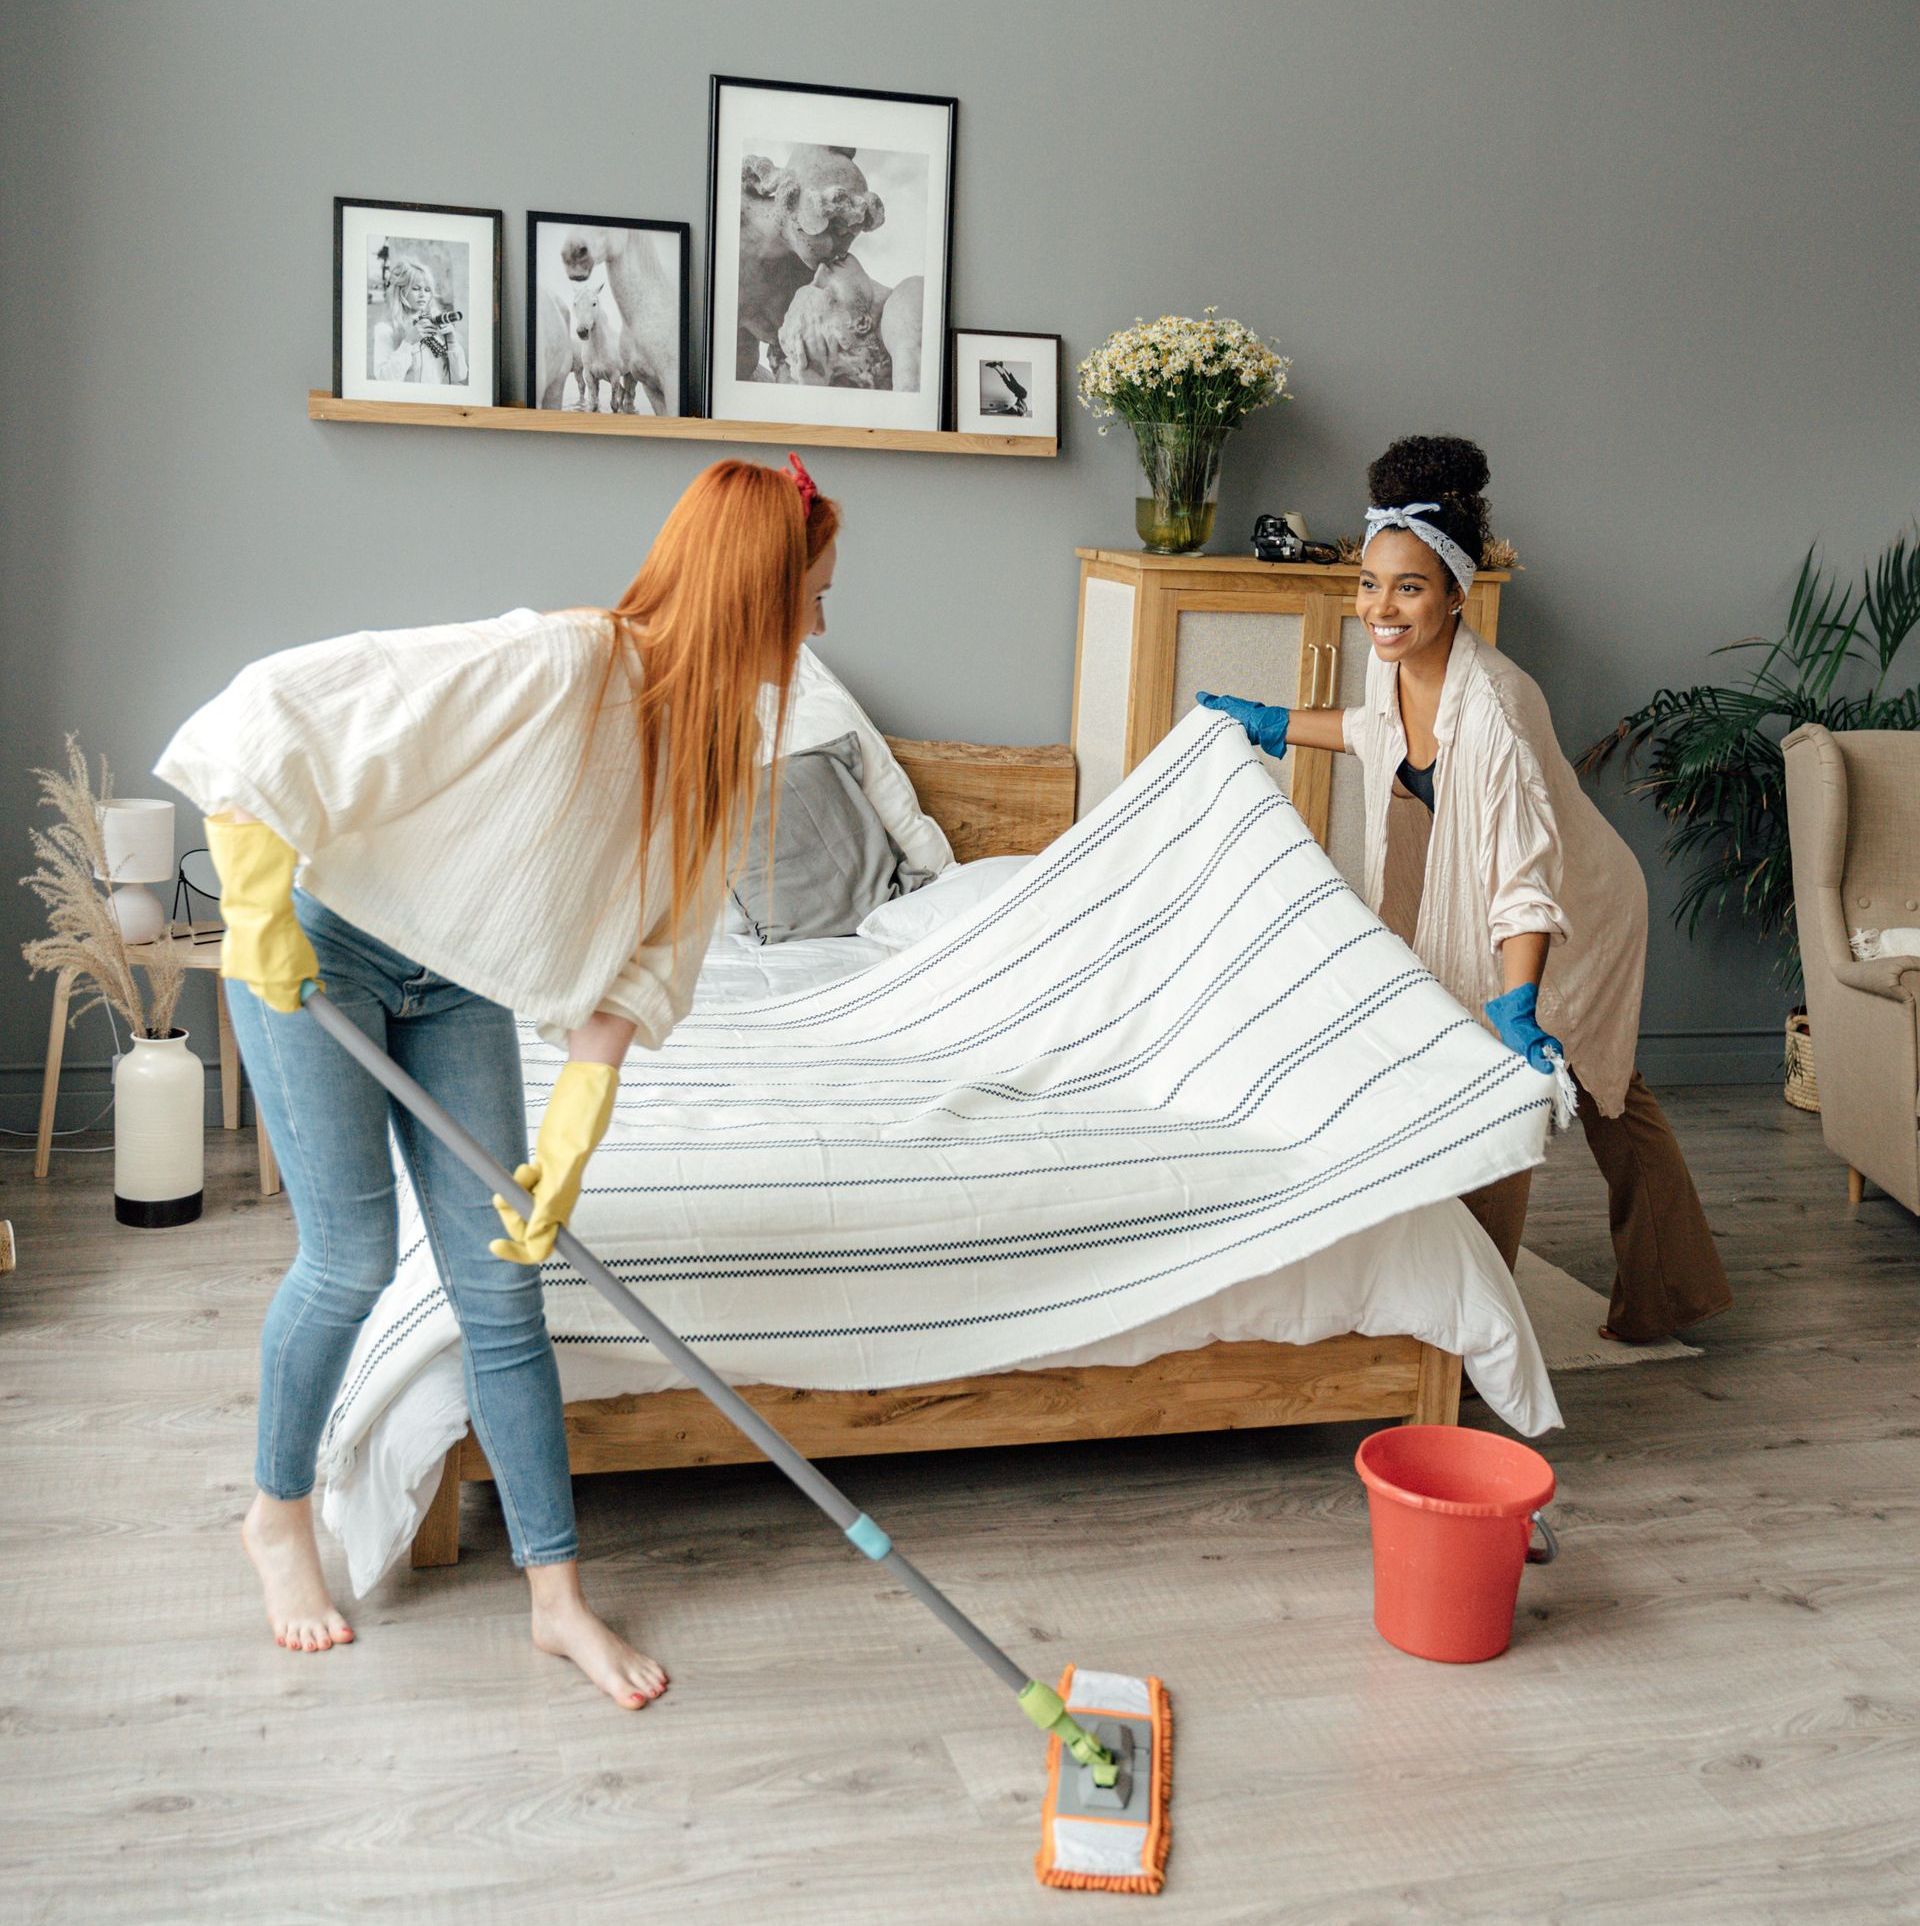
{"points": [[1155, 629]]}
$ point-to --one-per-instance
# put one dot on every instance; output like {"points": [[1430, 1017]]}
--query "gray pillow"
{"points": [[833, 860]]}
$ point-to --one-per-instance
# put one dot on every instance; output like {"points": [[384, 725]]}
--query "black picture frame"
{"points": [[492, 216], [536, 218], [719, 356], [957, 414]]}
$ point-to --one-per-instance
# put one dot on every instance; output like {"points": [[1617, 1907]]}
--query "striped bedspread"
{"points": [[1173, 1054]]}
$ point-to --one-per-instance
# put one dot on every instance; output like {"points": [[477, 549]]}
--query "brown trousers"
{"points": [[1669, 1273]]}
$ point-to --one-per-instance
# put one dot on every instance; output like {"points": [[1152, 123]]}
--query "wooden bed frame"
{"points": [[995, 801]]}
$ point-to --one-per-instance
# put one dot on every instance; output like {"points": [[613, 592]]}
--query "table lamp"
{"points": [[139, 837]]}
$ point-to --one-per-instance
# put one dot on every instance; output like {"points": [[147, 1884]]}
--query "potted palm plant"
{"points": [[1711, 763]]}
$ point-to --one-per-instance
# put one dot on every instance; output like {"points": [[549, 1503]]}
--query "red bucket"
{"points": [[1453, 1514]]}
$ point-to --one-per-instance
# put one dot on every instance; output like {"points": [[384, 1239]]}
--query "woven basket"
{"points": [[1803, 1088]]}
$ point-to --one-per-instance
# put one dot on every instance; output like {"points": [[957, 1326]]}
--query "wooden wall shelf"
{"points": [[322, 406]]}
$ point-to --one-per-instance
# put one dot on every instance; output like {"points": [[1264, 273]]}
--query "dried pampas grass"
{"points": [[85, 934]]}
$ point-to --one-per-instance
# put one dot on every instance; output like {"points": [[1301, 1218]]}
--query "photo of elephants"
{"points": [[828, 248], [607, 307], [833, 250]]}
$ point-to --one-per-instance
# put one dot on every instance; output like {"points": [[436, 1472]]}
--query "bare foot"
{"points": [[565, 1626], [278, 1535]]}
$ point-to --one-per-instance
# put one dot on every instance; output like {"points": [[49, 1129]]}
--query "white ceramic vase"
{"points": [[159, 1097]]}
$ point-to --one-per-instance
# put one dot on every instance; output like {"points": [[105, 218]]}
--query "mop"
{"points": [[1104, 1823]]}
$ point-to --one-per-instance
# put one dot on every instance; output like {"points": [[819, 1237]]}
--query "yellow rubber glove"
{"points": [[264, 947], [576, 1119]]}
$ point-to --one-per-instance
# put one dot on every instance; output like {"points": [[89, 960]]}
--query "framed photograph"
{"points": [[1006, 384], [416, 302], [607, 314], [829, 251]]}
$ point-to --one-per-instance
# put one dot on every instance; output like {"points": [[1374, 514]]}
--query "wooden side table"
{"points": [[202, 955]]}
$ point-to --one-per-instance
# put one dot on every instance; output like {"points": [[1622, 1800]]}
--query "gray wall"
{"points": [[1658, 258]]}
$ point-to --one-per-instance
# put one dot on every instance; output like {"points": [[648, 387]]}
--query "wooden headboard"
{"points": [[992, 800]]}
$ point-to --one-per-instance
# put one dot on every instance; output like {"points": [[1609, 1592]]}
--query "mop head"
{"points": [[1110, 1840]]}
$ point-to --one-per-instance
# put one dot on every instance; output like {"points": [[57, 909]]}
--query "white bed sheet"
{"points": [[1429, 1273]]}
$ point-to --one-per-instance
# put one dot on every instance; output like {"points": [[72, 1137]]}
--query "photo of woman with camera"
{"points": [[416, 336]]}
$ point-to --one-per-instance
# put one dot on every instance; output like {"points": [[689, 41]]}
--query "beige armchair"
{"points": [[1853, 814]]}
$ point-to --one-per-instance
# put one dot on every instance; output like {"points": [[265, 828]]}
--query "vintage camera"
{"points": [[1274, 541], [445, 318]]}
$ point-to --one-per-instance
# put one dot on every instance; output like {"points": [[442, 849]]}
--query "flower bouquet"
{"points": [[1182, 386]]}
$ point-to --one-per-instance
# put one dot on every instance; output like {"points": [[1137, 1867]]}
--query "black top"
{"points": [[1419, 782]]}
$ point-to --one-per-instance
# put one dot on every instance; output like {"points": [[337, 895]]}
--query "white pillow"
{"points": [[901, 923], [1868, 944], [819, 709]]}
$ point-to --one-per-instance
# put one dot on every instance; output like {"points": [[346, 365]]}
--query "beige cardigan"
{"points": [[1515, 846], [452, 796]]}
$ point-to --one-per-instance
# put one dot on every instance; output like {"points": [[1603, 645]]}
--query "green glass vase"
{"points": [[1181, 466]]}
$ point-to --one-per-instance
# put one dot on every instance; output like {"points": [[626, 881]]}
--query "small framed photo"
{"points": [[607, 314], [1006, 384], [416, 302], [829, 251]]}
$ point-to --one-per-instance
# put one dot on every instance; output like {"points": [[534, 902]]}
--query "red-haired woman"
{"points": [[527, 814]]}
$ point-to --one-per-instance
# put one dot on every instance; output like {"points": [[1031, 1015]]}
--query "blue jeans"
{"points": [[328, 1121]]}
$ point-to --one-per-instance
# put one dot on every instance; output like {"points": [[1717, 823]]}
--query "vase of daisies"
{"points": [[1182, 386]]}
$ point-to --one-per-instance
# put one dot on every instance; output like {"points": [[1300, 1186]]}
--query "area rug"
{"points": [[1567, 1318]]}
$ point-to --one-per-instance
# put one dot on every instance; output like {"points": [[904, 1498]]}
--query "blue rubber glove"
{"points": [[1512, 1017], [1266, 725]]}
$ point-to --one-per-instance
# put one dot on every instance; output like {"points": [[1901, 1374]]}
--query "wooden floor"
{"points": [[1711, 1710]]}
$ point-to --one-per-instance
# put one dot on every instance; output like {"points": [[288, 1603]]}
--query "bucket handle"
{"points": [[1541, 1554]]}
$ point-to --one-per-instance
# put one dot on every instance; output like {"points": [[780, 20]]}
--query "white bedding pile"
{"points": [[1170, 1082]]}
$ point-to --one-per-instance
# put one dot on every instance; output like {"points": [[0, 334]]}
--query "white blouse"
{"points": [[1515, 845], [452, 795]]}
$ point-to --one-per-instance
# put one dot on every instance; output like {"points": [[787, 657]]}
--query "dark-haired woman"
{"points": [[1484, 853]]}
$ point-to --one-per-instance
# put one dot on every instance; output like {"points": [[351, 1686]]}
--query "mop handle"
{"points": [[853, 1522]]}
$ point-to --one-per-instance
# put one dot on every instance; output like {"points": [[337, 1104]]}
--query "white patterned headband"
{"points": [[1459, 563]]}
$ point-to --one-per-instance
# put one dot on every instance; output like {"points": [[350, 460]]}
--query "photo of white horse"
{"points": [[607, 315]]}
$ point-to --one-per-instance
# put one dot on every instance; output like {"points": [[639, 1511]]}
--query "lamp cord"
{"points": [[76, 1130]]}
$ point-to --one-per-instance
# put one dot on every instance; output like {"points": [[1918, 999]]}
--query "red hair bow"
{"points": [[797, 474]]}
